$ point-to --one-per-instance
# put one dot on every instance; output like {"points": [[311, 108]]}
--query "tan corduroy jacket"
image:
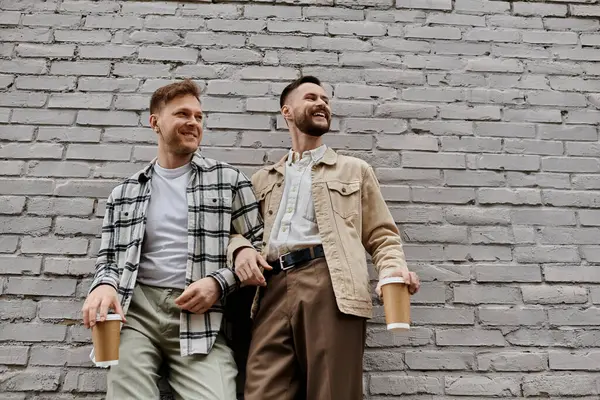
{"points": [[352, 217]]}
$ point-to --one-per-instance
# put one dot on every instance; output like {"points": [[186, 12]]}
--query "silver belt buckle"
{"points": [[281, 262]]}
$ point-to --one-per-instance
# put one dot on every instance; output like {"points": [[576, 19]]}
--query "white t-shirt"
{"points": [[165, 249]]}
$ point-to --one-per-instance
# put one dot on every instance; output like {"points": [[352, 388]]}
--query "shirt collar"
{"points": [[315, 155]]}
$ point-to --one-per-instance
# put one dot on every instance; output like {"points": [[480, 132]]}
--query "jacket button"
{"points": [[343, 190], [279, 184], [270, 212], [264, 243]]}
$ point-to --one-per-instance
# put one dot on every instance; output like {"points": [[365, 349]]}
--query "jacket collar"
{"points": [[329, 158]]}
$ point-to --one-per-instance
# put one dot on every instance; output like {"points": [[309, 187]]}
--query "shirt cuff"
{"points": [[227, 281]]}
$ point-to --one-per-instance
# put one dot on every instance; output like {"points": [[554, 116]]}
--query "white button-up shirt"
{"points": [[295, 225]]}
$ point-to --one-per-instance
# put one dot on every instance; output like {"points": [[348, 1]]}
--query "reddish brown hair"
{"points": [[167, 93]]}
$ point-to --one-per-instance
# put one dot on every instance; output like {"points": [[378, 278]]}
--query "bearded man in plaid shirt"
{"points": [[162, 263]]}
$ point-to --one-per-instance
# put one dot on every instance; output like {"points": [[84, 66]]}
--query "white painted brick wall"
{"points": [[480, 117]]}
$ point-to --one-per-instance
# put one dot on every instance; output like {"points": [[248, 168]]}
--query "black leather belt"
{"points": [[295, 259]]}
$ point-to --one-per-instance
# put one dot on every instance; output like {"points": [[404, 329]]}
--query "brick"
{"points": [[32, 332], [8, 244], [443, 195], [321, 13], [555, 68], [474, 216], [509, 196], [479, 294], [154, 37], [547, 216], [113, 22], [407, 214], [43, 117], [233, 121], [69, 266], [512, 361], [574, 317], [585, 11], [549, 180], [51, 245], [572, 274], [571, 198], [173, 23], [425, 4], [89, 6], [583, 54], [491, 235], [546, 254], [473, 178], [37, 150], [85, 188], [533, 116], [45, 50], [18, 309], [508, 21], [109, 51], [439, 234], [141, 70], [441, 316], [10, 18], [20, 265], [522, 8], [32, 379], [51, 20], [16, 133], [115, 118], [356, 28], [507, 273], [562, 360], [429, 160], [211, 10], [14, 355], [80, 100], [470, 112], [556, 99], [25, 225], [406, 110], [583, 117], [367, 125], [477, 253], [571, 24], [509, 162], [482, 386], [77, 226], [9, 168], [236, 25], [471, 145], [401, 385], [481, 7], [469, 337], [34, 35], [439, 360], [492, 35], [559, 385], [303, 58], [233, 56], [45, 83], [515, 316], [554, 294], [162, 53], [81, 36], [108, 84], [542, 147], [383, 361], [92, 68], [296, 27], [60, 309], [433, 94], [589, 217], [568, 132], [570, 164]]}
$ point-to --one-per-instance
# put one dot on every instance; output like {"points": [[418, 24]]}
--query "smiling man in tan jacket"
{"points": [[322, 211]]}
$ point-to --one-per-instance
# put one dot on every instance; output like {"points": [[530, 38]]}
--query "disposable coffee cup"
{"points": [[106, 336], [396, 303]]}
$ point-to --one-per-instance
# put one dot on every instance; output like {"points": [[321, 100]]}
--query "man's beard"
{"points": [[305, 123]]}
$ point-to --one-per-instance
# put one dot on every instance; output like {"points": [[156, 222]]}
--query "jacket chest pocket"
{"points": [[264, 197], [345, 197], [215, 213]]}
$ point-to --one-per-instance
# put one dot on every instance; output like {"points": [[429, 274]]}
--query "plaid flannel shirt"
{"points": [[220, 201]]}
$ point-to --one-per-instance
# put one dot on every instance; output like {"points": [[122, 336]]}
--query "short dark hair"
{"points": [[165, 94], [294, 85]]}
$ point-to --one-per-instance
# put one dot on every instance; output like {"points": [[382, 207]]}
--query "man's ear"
{"points": [[154, 123], [286, 112]]}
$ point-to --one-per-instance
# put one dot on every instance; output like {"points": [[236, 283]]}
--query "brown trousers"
{"points": [[302, 346]]}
